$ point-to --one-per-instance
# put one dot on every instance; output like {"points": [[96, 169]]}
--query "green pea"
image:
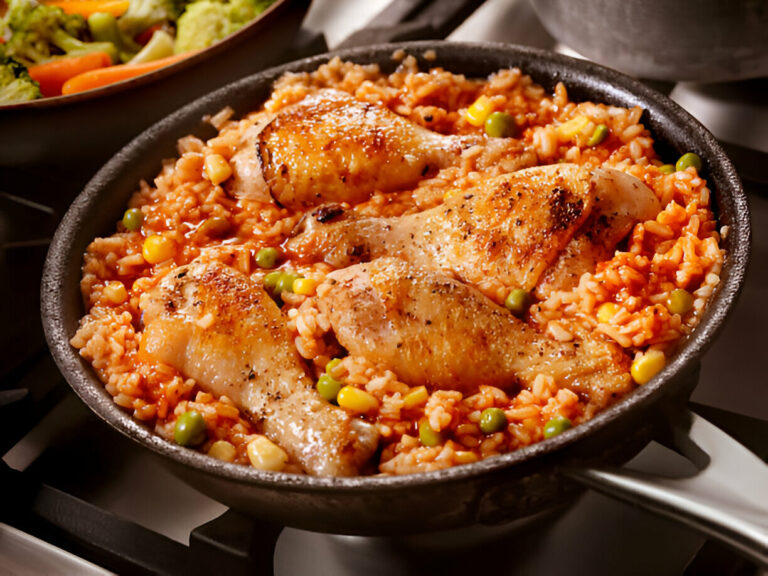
{"points": [[133, 219], [271, 279], [687, 160], [680, 301], [285, 283], [518, 301], [328, 387], [667, 168], [492, 420], [500, 125], [598, 136], [556, 425], [214, 227], [190, 429], [267, 257], [428, 436]]}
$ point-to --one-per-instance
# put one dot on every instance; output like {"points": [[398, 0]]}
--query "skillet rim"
{"points": [[81, 377]]}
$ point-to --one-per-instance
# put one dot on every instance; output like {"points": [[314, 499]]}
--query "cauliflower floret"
{"points": [[208, 21]]}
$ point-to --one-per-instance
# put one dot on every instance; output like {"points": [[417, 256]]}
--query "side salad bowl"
{"points": [[77, 133]]}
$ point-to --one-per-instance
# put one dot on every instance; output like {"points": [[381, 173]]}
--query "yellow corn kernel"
{"points": [[416, 397], [217, 168], [304, 286], [266, 455], [115, 292], [158, 248], [222, 450], [331, 369], [479, 110], [465, 457], [647, 366], [568, 130], [356, 400], [607, 311]]}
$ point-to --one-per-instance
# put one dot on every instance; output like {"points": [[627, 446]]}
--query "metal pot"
{"points": [[492, 491], [699, 41]]}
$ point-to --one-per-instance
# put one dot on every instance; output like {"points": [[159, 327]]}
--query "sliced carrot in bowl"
{"points": [[105, 76], [52, 75], [88, 7]]}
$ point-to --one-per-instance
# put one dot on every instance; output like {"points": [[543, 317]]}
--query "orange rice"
{"points": [[678, 250]]}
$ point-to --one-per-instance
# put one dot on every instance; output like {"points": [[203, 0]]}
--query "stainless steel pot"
{"points": [[692, 40], [492, 491]]}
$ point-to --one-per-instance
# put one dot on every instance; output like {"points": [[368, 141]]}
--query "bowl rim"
{"points": [[82, 378], [195, 58]]}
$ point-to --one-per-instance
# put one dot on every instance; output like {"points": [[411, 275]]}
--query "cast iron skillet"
{"points": [[491, 491]]}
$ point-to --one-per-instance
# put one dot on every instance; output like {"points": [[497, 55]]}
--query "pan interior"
{"points": [[101, 204]]}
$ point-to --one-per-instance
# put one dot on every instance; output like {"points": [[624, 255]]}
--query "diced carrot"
{"points": [[105, 76], [52, 75], [87, 7]]}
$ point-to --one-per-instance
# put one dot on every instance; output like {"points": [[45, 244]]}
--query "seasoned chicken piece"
{"points": [[332, 147], [217, 326], [430, 329], [510, 227], [621, 201], [247, 177]]}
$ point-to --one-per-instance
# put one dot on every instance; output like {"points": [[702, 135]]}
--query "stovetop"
{"points": [[59, 454]]}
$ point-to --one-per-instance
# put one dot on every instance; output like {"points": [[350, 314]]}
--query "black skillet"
{"points": [[495, 490]]}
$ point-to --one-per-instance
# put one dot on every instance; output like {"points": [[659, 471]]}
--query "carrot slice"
{"points": [[52, 75], [88, 7], [105, 76]]}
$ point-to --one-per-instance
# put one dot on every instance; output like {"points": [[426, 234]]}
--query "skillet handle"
{"points": [[726, 499]]}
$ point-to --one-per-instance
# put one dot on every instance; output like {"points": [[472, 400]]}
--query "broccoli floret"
{"points": [[15, 83], [40, 33], [142, 14], [207, 21]]}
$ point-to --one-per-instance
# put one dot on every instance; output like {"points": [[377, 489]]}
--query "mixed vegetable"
{"points": [[15, 82], [56, 47]]}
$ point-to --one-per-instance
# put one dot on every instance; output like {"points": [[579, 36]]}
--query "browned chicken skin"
{"points": [[431, 329], [332, 147], [621, 202], [545, 225], [217, 326], [510, 227]]}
